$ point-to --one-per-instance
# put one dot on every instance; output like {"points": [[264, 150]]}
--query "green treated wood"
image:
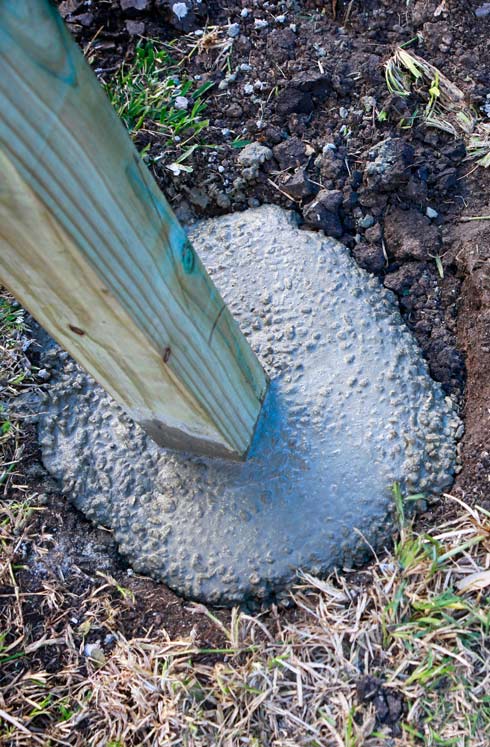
{"points": [[77, 203]]}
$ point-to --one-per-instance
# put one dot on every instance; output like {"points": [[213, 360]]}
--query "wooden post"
{"points": [[90, 246]]}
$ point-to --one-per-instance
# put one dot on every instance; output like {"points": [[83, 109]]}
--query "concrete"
{"points": [[351, 410]]}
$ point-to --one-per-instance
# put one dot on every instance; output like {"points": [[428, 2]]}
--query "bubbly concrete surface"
{"points": [[351, 409]]}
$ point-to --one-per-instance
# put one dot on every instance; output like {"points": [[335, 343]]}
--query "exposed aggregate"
{"points": [[351, 409]]}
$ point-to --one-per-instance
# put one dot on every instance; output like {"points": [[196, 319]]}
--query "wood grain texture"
{"points": [[89, 243]]}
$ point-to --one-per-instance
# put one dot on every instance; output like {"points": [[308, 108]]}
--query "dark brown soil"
{"points": [[314, 85]]}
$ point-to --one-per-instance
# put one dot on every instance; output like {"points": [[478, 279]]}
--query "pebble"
{"points": [[181, 102], [483, 10], [431, 213], [180, 10], [367, 221], [234, 30], [94, 652]]}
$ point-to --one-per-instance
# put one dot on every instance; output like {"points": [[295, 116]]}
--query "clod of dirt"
{"points": [[388, 704], [251, 159], [330, 165], [323, 212], [369, 257], [410, 235], [302, 93], [298, 185], [281, 43], [388, 165], [351, 410], [291, 153]]}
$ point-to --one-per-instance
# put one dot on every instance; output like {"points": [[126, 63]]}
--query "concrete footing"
{"points": [[351, 410]]}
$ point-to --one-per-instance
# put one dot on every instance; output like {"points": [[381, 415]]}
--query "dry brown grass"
{"points": [[444, 104], [401, 644], [395, 655]]}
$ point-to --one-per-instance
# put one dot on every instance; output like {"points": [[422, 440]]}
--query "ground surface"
{"points": [[410, 646]]}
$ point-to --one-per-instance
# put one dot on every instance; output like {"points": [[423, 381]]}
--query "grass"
{"points": [[281, 679], [15, 377], [445, 106], [150, 94]]}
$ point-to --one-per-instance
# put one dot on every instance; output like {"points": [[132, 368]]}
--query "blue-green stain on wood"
{"points": [[33, 15], [188, 257], [158, 212]]}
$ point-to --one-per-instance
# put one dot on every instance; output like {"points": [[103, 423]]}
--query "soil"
{"points": [[309, 87]]}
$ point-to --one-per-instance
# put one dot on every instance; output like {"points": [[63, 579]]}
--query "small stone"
{"points": [[185, 16], [180, 10], [323, 212], [233, 30], [431, 213], [93, 652], [84, 19], [483, 10], [67, 7], [223, 201], [367, 221], [181, 102], [134, 4], [254, 154], [245, 12], [259, 23], [135, 28], [43, 374]]}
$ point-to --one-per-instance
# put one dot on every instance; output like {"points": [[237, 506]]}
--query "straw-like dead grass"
{"points": [[444, 103], [396, 655]]}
